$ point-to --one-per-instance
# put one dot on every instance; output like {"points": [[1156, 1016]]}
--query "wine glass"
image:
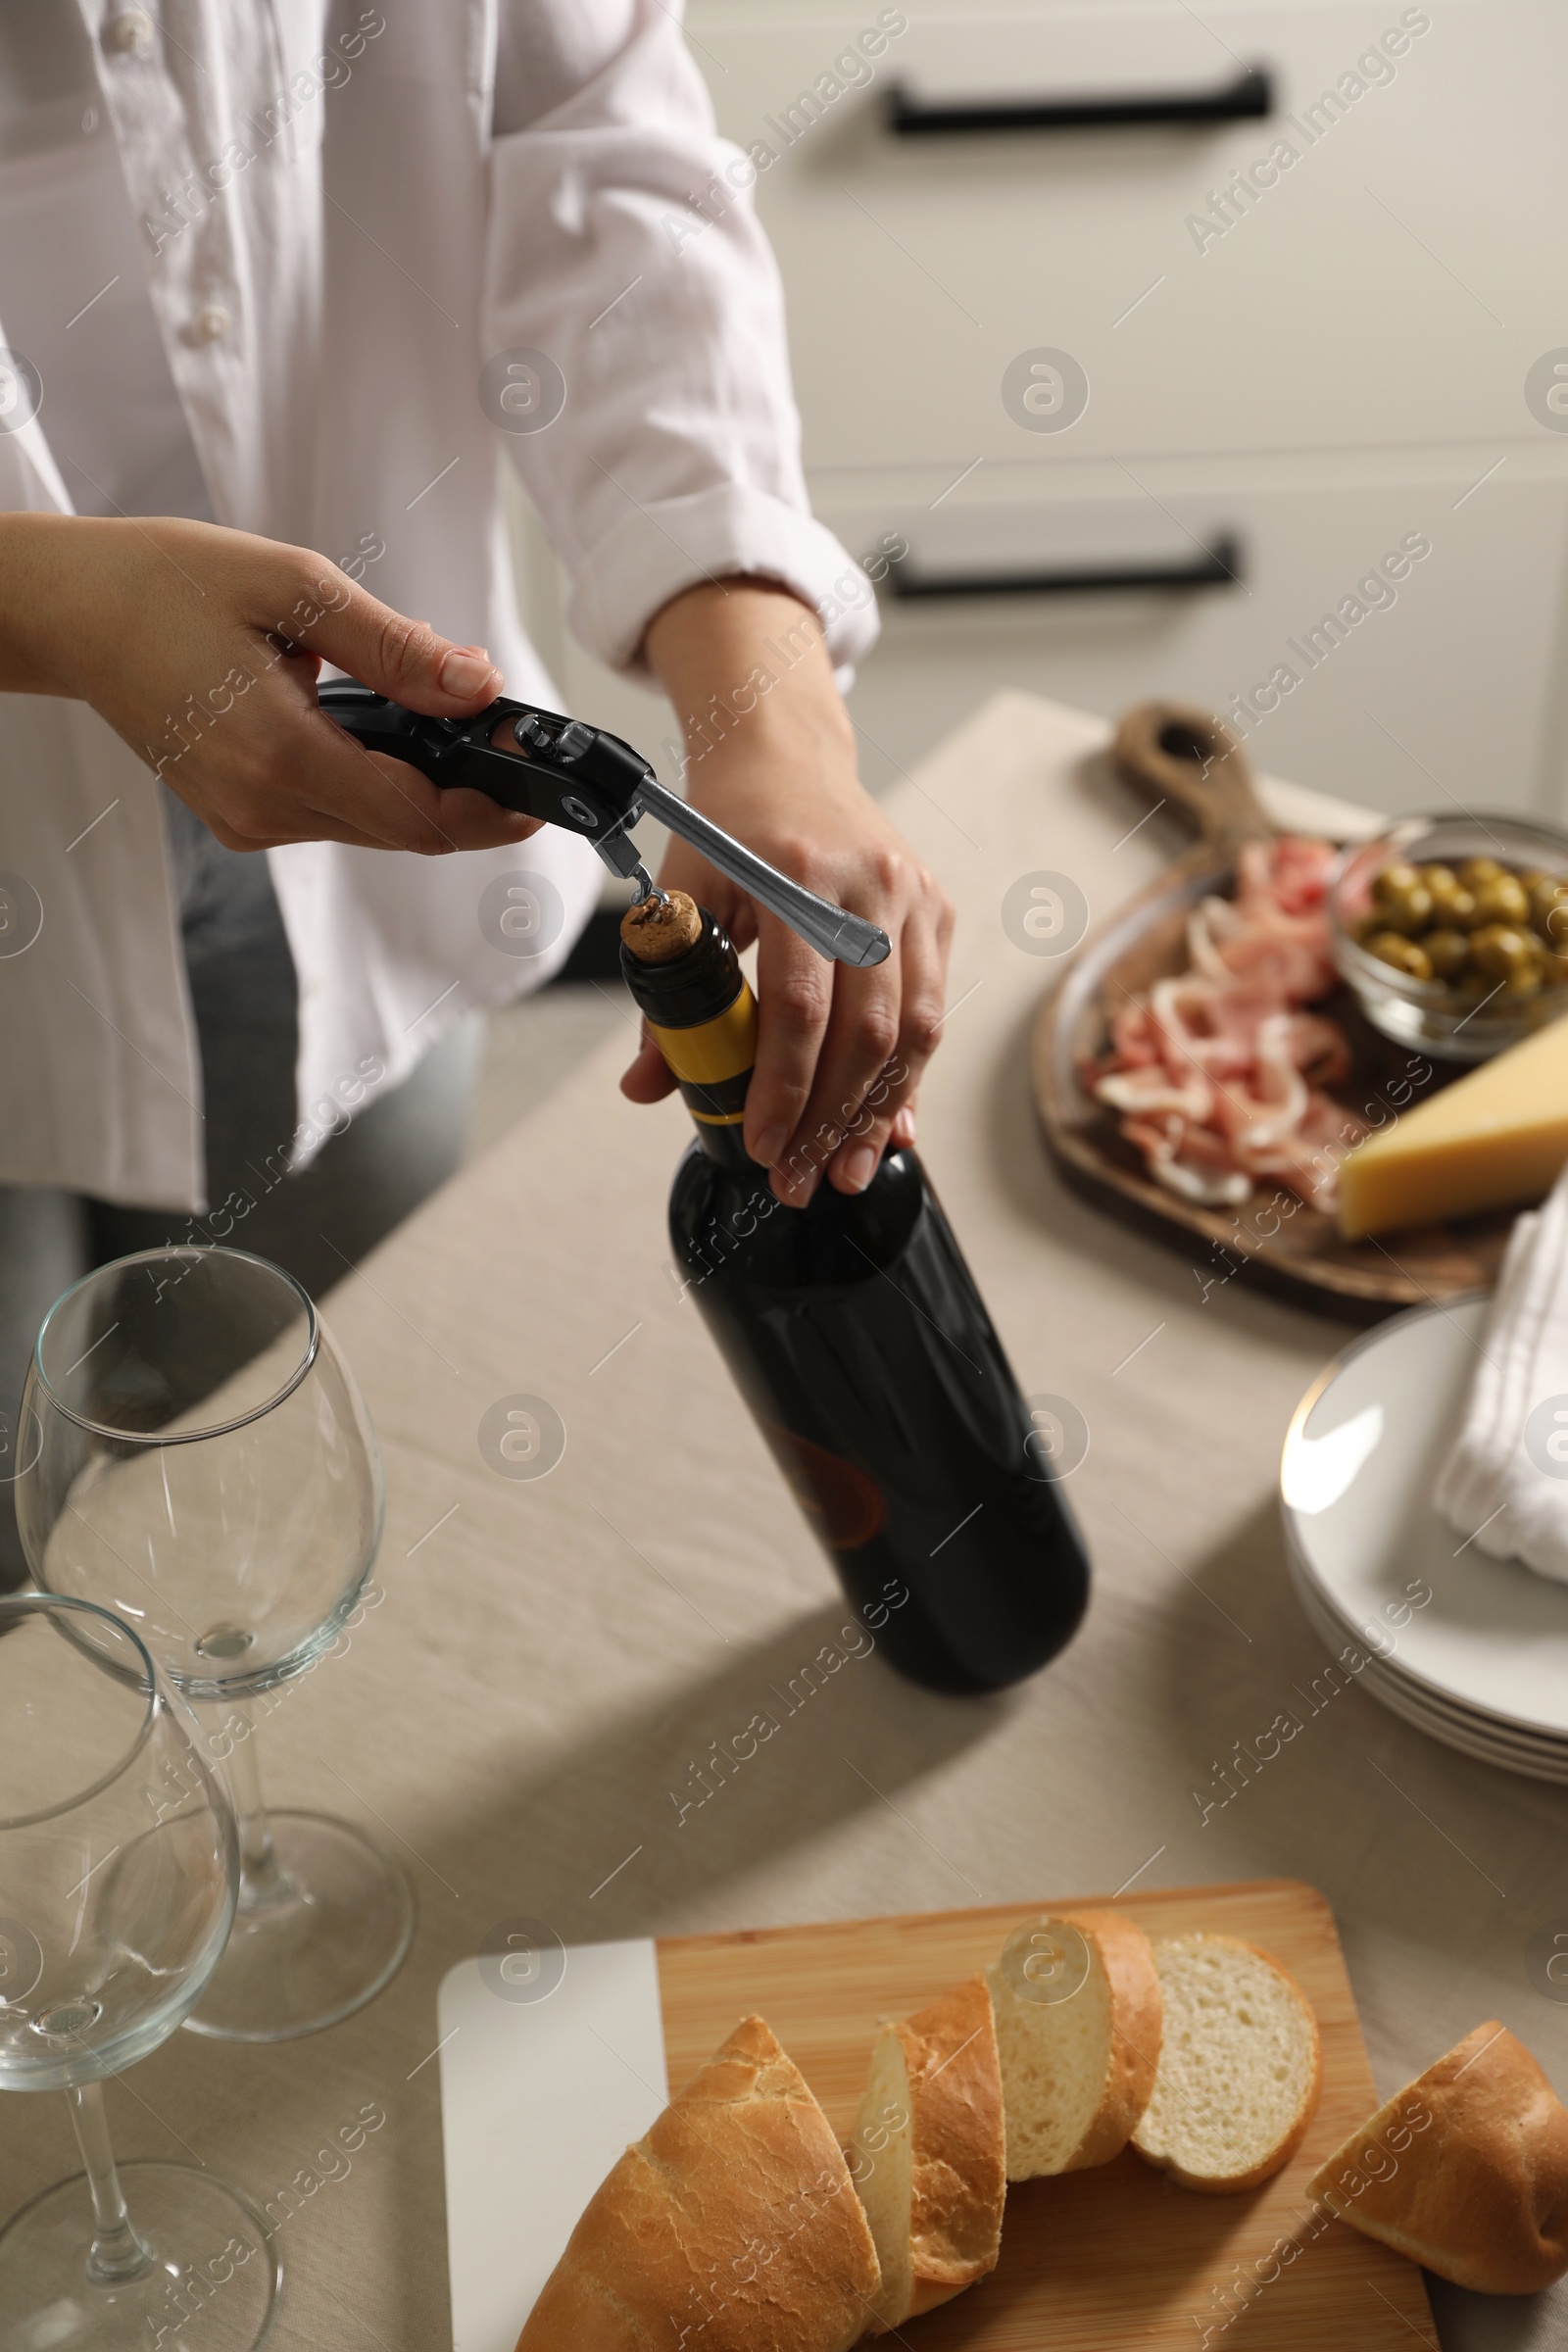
{"points": [[196, 1456], [118, 1867]]}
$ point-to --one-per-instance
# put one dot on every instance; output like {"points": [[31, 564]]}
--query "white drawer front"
{"points": [[1438, 694], [1390, 284]]}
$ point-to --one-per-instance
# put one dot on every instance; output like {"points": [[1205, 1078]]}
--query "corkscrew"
{"points": [[579, 777]]}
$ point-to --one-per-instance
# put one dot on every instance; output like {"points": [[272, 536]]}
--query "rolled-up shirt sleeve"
{"points": [[625, 250]]}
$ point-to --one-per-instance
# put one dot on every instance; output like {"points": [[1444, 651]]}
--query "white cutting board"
{"points": [[543, 2084]]}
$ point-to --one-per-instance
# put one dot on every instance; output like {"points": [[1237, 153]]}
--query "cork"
{"points": [[657, 930]]}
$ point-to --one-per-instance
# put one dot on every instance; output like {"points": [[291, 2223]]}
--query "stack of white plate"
{"points": [[1470, 1649]]}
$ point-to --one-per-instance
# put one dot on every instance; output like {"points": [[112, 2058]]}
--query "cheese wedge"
{"points": [[1496, 1138]]}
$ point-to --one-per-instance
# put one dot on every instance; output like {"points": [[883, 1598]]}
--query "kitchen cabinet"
{"points": [[1155, 352]]}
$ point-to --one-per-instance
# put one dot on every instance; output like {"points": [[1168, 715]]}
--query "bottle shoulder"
{"points": [[731, 1216]]}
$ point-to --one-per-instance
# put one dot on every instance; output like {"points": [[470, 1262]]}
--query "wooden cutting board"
{"points": [[1187, 759], [1105, 2260]]}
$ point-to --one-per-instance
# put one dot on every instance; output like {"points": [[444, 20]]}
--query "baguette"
{"points": [[1078, 2027], [928, 2153], [734, 2224], [1466, 2170], [1240, 2066]]}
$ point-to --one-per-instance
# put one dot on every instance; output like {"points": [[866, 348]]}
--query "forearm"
{"points": [[746, 667], [41, 556]]}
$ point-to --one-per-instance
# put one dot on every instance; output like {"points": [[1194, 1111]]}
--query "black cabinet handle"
{"points": [[1219, 565], [1250, 96]]}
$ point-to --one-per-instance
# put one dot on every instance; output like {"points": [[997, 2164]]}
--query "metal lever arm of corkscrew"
{"points": [[842, 937], [591, 783]]}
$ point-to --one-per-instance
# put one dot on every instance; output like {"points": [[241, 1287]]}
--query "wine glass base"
{"points": [[334, 1934], [213, 2286]]}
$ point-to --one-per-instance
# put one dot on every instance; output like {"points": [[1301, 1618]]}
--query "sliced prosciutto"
{"points": [[1217, 1074]]}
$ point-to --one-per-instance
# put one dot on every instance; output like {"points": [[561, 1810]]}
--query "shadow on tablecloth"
{"points": [[645, 1785]]}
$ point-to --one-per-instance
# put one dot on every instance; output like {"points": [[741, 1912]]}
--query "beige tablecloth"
{"points": [[552, 1655]]}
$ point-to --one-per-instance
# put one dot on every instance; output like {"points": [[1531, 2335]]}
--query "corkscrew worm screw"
{"points": [[591, 783]]}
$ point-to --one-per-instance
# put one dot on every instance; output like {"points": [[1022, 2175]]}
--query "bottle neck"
{"points": [[701, 1015]]}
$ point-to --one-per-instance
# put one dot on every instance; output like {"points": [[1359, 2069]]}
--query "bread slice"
{"points": [[1466, 2170], [1240, 2066], [927, 2153], [734, 2224], [1078, 2030]]}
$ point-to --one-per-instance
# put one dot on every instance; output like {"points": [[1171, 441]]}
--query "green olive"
{"points": [[1446, 889], [1500, 952], [1480, 926], [1402, 954], [1392, 881], [1447, 952], [1456, 909], [1408, 909], [1502, 899], [1548, 892]]}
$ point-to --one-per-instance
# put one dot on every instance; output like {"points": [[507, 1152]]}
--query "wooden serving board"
{"points": [[1188, 759], [1117, 2257]]}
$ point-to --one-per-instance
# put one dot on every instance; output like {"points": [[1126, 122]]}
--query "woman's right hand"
{"points": [[201, 647]]}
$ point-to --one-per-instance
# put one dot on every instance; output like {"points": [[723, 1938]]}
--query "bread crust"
{"points": [[1465, 2170], [1137, 2010], [1231, 2185], [957, 2158], [734, 2224]]}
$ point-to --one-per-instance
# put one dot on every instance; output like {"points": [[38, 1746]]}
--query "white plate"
{"points": [[1477, 1748], [1360, 1464], [1543, 1760], [1473, 1735], [1337, 1632]]}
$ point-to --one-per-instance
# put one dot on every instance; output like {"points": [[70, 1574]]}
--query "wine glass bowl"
{"points": [[146, 1876], [199, 1459], [196, 1456], [119, 1874]]}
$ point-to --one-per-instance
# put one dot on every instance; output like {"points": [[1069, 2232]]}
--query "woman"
{"points": [[279, 289]]}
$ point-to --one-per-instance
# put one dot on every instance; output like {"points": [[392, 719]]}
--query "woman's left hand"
{"points": [[841, 1051]]}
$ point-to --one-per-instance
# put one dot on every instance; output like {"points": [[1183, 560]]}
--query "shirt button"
{"points": [[131, 29], [211, 323]]}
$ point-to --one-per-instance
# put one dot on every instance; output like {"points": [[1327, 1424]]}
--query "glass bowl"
{"points": [[1454, 1023]]}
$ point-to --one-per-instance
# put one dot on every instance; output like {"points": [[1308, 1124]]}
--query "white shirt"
{"points": [[114, 420], [341, 216]]}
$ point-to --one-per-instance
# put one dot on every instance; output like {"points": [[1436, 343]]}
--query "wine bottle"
{"points": [[855, 1332]]}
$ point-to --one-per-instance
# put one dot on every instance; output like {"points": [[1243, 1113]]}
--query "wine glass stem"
{"points": [[261, 1881], [117, 2253]]}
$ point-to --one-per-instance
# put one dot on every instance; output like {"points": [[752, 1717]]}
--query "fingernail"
{"points": [[771, 1145], [796, 1192], [860, 1167], [903, 1129], [465, 668]]}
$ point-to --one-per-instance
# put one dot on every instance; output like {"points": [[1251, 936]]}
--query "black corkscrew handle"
{"points": [[567, 773]]}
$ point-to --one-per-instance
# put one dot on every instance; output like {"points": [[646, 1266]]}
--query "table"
{"points": [[547, 1657]]}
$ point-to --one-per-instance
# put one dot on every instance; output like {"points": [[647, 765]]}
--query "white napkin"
{"points": [[1505, 1485]]}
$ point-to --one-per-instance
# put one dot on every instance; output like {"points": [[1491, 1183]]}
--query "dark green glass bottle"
{"points": [[855, 1332]]}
